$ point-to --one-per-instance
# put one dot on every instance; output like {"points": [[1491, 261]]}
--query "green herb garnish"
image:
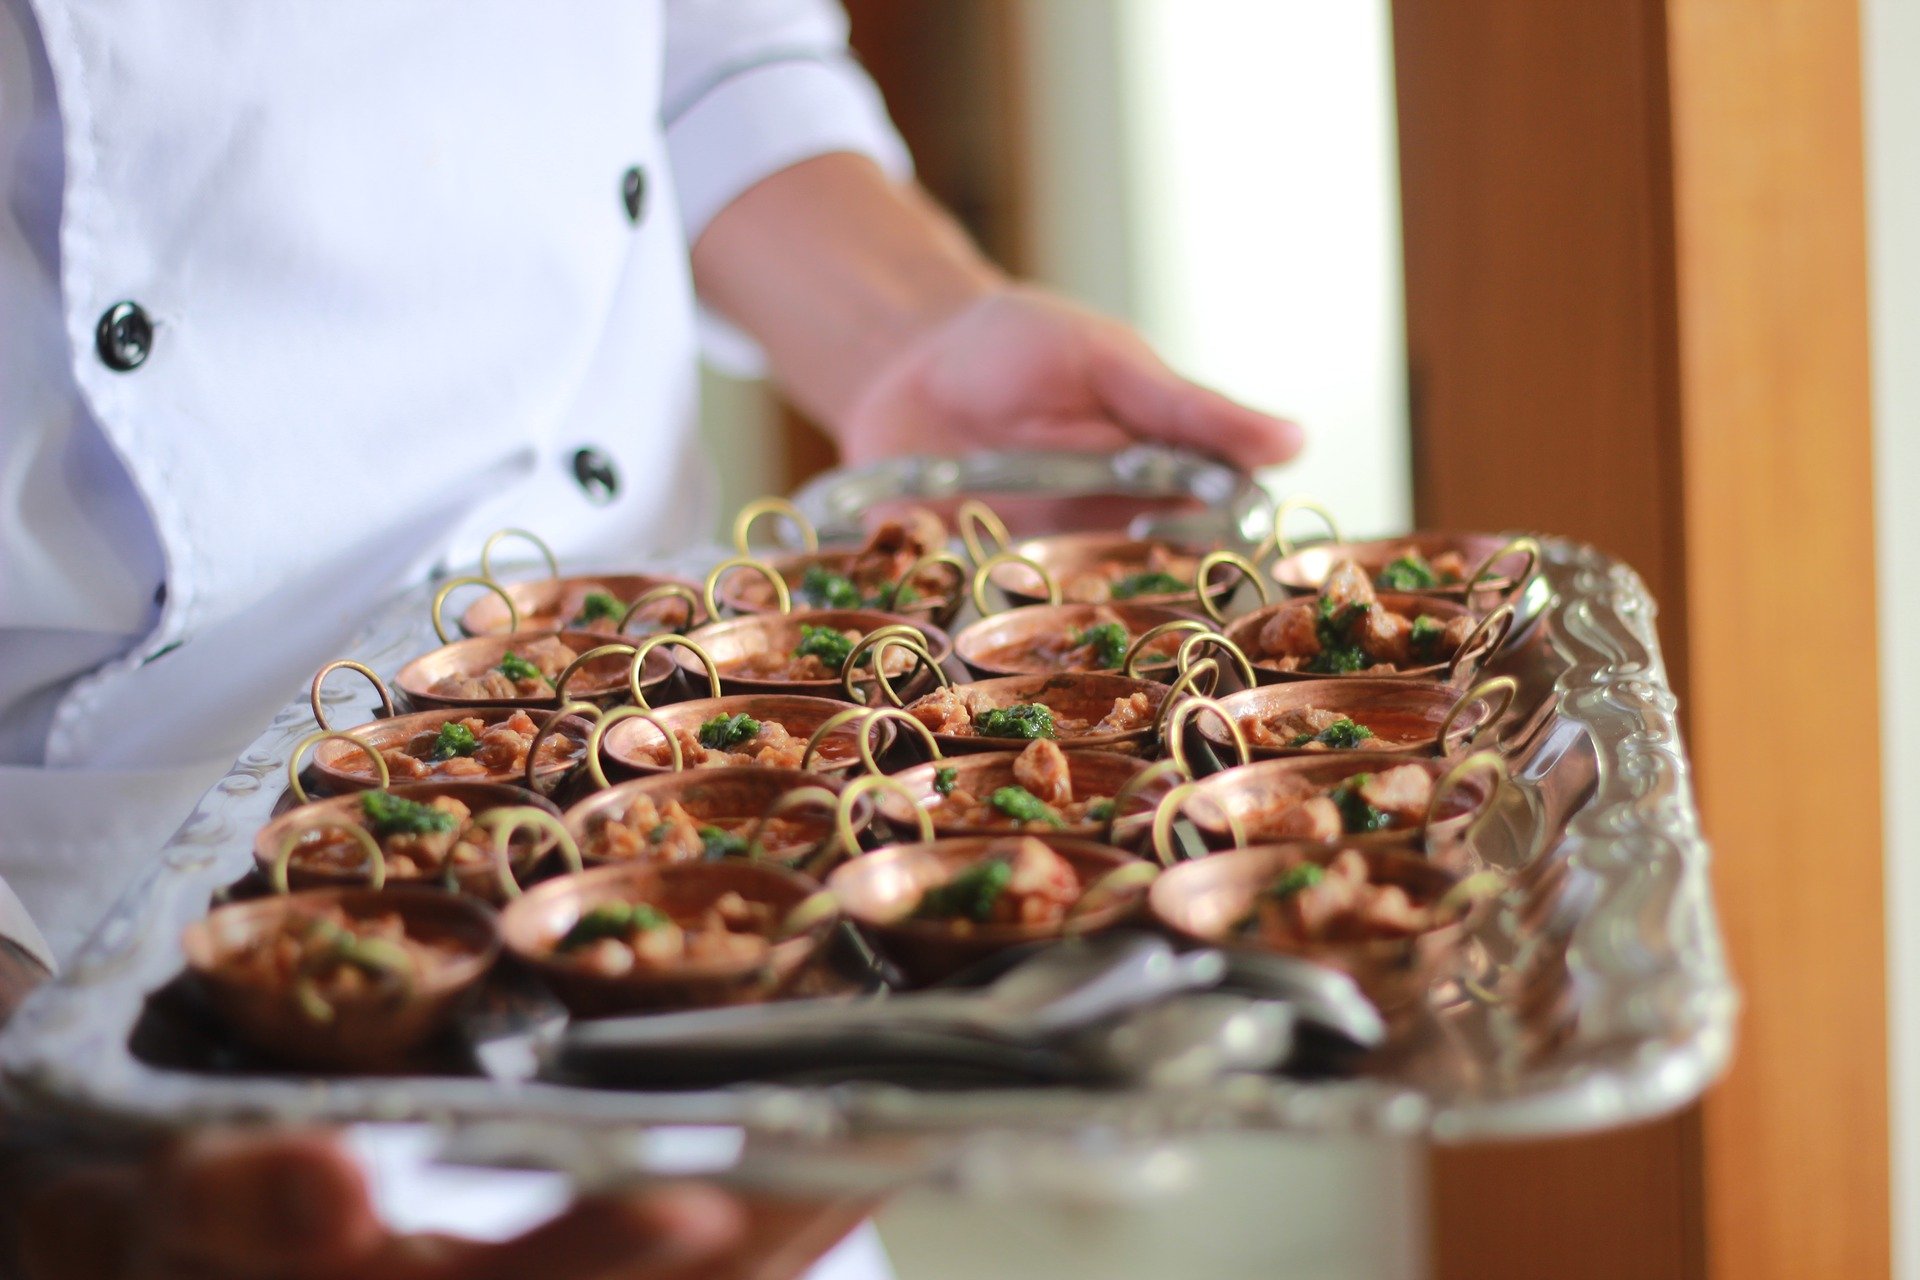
{"points": [[1410, 572], [944, 780], [1022, 805], [1342, 734], [611, 920], [391, 815], [661, 831], [1338, 655], [971, 895], [716, 843], [516, 668], [1426, 634], [724, 733], [1109, 642], [1304, 876], [822, 588], [454, 739], [599, 606], [1357, 817], [1153, 582], [1022, 720], [1100, 811], [1339, 660], [826, 644]]}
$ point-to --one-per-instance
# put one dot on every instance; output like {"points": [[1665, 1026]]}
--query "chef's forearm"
{"points": [[835, 268]]}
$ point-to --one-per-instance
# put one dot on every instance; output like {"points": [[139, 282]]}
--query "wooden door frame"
{"points": [[1636, 310]]}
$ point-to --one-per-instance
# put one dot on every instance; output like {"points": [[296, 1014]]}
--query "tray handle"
{"points": [[976, 518], [1499, 693], [668, 640], [599, 735], [1184, 656], [984, 575], [762, 508], [499, 536], [600, 651], [1171, 806], [540, 735], [1521, 545], [347, 664], [1134, 788], [1487, 638], [1127, 880], [782, 597], [1485, 764], [451, 585], [1137, 651], [933, 559], [283, 856], [875, 644], [799, 797], [1203, 576], [860, 786], [1174, 731], [1284, 546], [870, 719], [314, 739], [1188, 683], [654, 595], [504, 824]]}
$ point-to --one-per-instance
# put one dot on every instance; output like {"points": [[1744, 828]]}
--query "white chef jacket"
{"points": [[413, 269]]}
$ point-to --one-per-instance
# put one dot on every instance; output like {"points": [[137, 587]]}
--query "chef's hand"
{"points": [[884, 323], [295, 1207]]}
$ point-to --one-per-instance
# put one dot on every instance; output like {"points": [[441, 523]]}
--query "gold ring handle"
{"points": [[974, 518], [1194, 704], [1134, 788], [1239, 564], [1130, 665], [812, 911], [1129, 878], [1187, 682], [348, 664], [794, 799], [313, 739], [1501, 690], [1184, 657], [601, 651], [547, 727], [984, 573], [1284, 546], [1468, 892], [870, 718], [654, 595], [498, 536], [1170, 809], [1522, 545], [933, 559], [1486, 639], [759, 509], [668, 640], [875, 643], [376, 857], [860, 786], [782, 597], [607, 720], [505, 823], [451, 585], [1487, 765]]}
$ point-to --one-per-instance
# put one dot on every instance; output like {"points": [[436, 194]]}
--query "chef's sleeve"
{"points": [[751, 87]]}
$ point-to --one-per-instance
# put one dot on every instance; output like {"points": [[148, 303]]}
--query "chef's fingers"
{"points": [[1076, 435], [1152, 401], [273, 1204], [81, 1227], [648, 1234]]}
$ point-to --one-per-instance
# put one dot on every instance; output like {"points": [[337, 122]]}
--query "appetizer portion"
{"points": [[1040, 795], [1392, 799], [976, 711], [1160, 571], [1021, 883], [524, 671], [322, 957], [1408, 570], [421, 839], [811, 650], [593, 604], [1095, 640], [769, 730], [1308, 729], [1339, 901], [866, 578], [820, 652], [615, 937], [1348, 629], [479, 746], [668, 832]]}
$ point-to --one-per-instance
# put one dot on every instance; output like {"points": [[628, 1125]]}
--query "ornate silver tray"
{"points": [[1599, 994]]}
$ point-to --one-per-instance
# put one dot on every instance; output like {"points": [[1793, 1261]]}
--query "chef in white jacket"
{"points": [[299, 299]]}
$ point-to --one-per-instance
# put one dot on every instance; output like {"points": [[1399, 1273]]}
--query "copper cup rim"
{"points": [[1245, 630], [1081, 853], [412, 681], [523, 935], [1059, 552], [396, 730], [667, 786], [1214, 789], [619, 744], [204, 948], [1434, 695], [1373, 554], [741, 592], [939, 646], [1122, 686], [968, 641], [919, 780], [535, 597], [499, 795], [1248, 871]]}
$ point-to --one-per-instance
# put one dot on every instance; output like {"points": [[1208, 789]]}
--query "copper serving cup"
{"points": [[336, 759], [1092, 773], [879, 892], [1208, 901], [629, 743], [374, 1031], [536, 921], [1234, 801], [735, 639], [730, 796], [1073, 695], [543, 603], [601, 680], [1490, 634], [526, 850], [936, 606], [1406, 717], [1499, 565], [994, 645], [1070, 557]]}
